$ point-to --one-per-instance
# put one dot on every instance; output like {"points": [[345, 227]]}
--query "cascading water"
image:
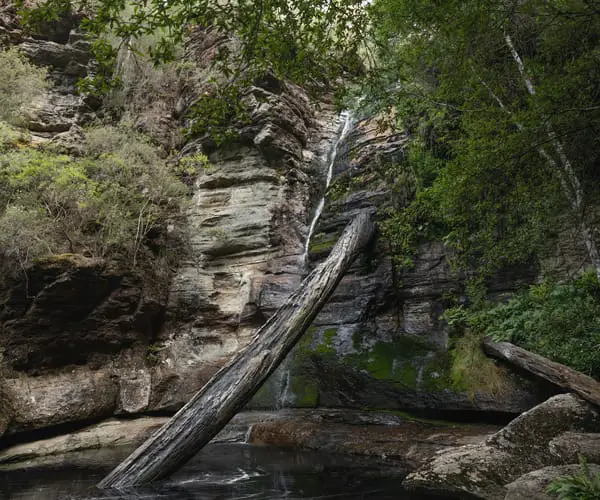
{"points": [[285, 387], [284, 370], [346, 116]]}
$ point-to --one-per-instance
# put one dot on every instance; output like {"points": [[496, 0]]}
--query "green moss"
{"points": [[435, 375], [397, 362], [322, 243], [153, 353], [264, 397], [325, 346], [322, 247], [328, 335], [408, 362], [62, 259], [305, 390]]}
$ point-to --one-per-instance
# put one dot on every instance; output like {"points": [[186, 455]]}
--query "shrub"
{"points": [[20, 82], [581, 486], [112, 201], [26, 234], [11, 137]]}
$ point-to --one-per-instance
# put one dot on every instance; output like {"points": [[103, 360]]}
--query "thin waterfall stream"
{"points": [[346, 116], [346, 119]]}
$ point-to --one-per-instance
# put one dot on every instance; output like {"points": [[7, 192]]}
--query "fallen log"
{"points": [[560, 375], [232, 387]]}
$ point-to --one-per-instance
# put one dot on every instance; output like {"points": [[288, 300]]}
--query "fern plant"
{"points": [[581, 486]]}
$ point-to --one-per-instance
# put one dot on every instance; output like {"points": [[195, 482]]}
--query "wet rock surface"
{"points": [[123, 343], [523, 446]]}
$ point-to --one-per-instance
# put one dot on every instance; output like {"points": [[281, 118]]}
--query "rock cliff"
{"points": [[84, 339]]}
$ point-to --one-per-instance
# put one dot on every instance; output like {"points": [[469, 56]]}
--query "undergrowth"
{"points": [[560, 321]]}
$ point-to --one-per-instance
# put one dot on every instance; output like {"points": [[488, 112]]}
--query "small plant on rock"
{"points": [[581, 486]]}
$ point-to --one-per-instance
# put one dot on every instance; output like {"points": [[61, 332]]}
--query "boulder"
{"points": [[569, 446], [71, 60], [41, 402], [524, 445]]}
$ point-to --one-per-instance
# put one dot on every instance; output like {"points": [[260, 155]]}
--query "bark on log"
{"points": [[560, 375], [232, 387]]}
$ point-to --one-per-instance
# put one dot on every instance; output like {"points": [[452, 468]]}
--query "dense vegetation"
{"points": [[558, 320], [503, 103], [114, 196], [501, 99]]}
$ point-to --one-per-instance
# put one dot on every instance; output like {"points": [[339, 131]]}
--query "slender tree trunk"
{"points": [[231, 388], [569, 180]]}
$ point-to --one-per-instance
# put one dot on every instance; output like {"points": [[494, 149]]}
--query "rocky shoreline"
{"points": [[400, 440]]}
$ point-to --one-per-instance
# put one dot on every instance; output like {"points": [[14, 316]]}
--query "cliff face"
{"points": [[380, 342], [83, 339]]}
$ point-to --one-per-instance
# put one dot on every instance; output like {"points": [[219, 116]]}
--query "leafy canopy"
{"points": [[482, 155], [482, 158], [305, 40]]}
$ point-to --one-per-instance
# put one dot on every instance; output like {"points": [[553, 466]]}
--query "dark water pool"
{"points": [[227, 472]]}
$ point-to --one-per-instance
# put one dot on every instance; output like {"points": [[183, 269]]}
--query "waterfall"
{"points": [[284, 369], [346, 116], [284, 386], [248, 434]]}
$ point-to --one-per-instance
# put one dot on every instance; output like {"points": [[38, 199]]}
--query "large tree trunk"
{"points": [[231, 388], [555, 373]]}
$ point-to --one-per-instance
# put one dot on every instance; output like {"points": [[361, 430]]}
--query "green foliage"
{"points": [[300, 39], [446, 71], [138, 87], [11, 137], [559, 321], [581, 486], [153, 353], [118, 198], [471, 370], [311, 43], [187, 168], [26, 234], [20, 83], [217, 112]]}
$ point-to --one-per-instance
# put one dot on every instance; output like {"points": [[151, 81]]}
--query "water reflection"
{"points": [[219, 472]]}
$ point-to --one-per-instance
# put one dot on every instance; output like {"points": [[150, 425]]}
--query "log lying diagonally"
{"points": [[231, 388], [560, 375]]}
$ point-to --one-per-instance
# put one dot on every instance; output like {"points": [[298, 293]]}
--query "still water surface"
{"points": [[223, 472]]}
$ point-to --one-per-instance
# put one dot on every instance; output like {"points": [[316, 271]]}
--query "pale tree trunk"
{"points": [[569, 180], [233, 386]]}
